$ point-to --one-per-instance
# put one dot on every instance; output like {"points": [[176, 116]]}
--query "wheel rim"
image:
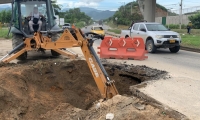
{"points": [[149, 47]]}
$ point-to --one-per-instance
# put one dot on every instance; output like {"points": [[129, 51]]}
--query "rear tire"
{"points": [[174, 49], [16, 40], [126, 36], [150, 47], [54, 38]]}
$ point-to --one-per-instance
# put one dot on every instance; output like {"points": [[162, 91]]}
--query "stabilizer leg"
{"points": [[14, 56]]}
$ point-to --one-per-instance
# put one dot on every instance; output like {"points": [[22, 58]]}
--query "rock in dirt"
{"points": [[139, 106]]}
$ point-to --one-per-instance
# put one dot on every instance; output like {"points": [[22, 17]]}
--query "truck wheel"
{"points": [[54, 38], [174, 49], [16, 40], [150, 47]]}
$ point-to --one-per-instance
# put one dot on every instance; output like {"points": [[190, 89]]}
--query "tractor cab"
{"points": [[22, 18], [24, 12]]}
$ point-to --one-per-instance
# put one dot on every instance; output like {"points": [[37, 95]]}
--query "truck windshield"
{"points": [[98, 28], [156, 27], [67, 24]]}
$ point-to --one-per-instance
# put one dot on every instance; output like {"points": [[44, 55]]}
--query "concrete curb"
{"points": [[190, 49], [182, 47]]}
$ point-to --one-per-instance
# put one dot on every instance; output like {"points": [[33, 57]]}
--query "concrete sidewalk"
{"points": [[180, 94]]}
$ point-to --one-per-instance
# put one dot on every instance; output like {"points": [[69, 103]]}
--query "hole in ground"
{"points": [[40, 86]]}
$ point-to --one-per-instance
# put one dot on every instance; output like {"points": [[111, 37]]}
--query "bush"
{"points": [[79, 24], [176, 26], [195, 19]]}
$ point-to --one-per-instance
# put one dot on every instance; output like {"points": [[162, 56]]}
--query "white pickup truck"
{"points": [[155, 35], [66, 25]]}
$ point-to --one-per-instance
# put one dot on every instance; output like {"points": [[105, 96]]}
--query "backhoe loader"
{"points": [[20, 29], [47, 39]]}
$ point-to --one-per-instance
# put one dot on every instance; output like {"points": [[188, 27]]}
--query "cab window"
{"points": [[142, 27], [16, 15], [135, 27], [51, 16]]}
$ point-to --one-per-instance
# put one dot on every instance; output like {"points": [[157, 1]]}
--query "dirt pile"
{"points": [[64, 89]]}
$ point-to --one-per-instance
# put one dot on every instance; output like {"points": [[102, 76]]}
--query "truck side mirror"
{"points": [[142, 29]]}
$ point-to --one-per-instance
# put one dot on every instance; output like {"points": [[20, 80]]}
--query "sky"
{"points": [[115, 4]]}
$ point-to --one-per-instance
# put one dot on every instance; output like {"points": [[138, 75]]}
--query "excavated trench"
{"points": [[33, 88]]}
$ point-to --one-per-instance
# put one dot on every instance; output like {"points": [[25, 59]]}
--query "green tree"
{"points": [[75, 16], [124, 15], [5, 16], [56, 7], [195, 19]]}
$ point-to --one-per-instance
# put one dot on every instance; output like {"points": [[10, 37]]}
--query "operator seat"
{"points": [[26, 26], [36, 25]]}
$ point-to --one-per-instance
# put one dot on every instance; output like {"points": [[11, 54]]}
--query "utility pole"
{"points": [[131, 8], [180, 16], [124, 6]]}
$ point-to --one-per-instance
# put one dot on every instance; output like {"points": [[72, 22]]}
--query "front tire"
{"points": [[174, 49], [150, 47], [16, 40]]}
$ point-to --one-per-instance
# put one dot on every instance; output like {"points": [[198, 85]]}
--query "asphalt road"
{"points": [[184, 62], [181, 90]]}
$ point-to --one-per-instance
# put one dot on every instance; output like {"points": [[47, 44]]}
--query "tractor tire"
{"points": [[126, 36], [150, 47], [54, 38], [174, 49], [16, 40]]}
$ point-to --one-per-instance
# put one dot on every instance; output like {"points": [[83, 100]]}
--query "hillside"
{"points": [[91, 12], [94, 13]]}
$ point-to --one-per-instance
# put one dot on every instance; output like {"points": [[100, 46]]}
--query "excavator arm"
{"points": [[70, 38], [104, 84]]}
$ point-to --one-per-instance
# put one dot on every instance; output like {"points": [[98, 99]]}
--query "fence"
{"points": [[172, 16], [173, 19]]}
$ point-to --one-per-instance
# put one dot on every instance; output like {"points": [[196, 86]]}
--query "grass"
{"points": [[4, 32], [184, 31], [191, 41], [117, 31]]}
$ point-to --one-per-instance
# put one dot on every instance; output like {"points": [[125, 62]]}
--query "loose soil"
{"points": [[63, 89]]}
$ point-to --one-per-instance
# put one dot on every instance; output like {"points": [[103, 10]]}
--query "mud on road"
{"points": [[61, 89]]}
